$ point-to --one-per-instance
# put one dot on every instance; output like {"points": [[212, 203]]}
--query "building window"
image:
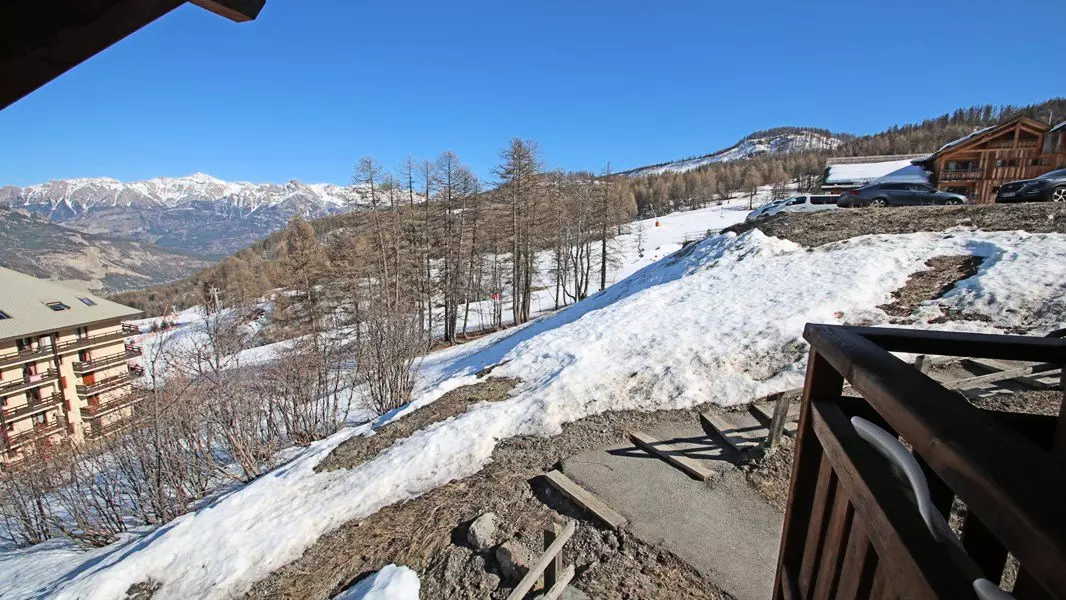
{"points": [[87, 301], [1006, 163], [39, 419], [4, 315], [1039, 162], [57, 306]]}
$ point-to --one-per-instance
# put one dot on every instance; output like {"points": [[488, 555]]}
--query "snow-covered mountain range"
{"points": [[772, 142], [198, 214]]}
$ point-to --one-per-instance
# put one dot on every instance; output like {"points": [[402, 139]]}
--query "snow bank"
{"points": [[720, 321], [390, 583]]}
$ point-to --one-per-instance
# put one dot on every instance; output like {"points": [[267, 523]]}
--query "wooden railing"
{"points": [[107, 361], [93, 339], [962, 175], [32, 407], [852, 529], [36, 433], [25, 382], [109, 406], [12, 358], [104, 385], [550, 564]]}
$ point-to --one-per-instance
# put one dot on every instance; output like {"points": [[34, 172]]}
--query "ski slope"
{"points": [[719, 321]]}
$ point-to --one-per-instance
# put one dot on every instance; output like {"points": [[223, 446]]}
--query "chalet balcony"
{"points": [[14, 358], [33, 407], [1008, 144], [80, 368], [92, 340], [25, 383], [104, 385], [110, 406], [967, 175], [38, 432]]}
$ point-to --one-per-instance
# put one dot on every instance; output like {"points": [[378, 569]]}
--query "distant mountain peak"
{"points": [[779, 140], [197, 213]]}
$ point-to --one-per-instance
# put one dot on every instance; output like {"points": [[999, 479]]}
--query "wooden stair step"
{"points": [[1038, 379], [741, 439], [662, 449], [585, 499]]}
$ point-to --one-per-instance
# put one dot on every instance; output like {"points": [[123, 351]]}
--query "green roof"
{"points": [[25, 300]]}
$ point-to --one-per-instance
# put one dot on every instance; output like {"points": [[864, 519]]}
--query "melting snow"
{"points": [[718, 321]]}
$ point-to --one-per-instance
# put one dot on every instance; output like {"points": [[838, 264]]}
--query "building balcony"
{"points": [[14, 358], [99, 432], [30, 381], [104, 385], [92, 340], [33, 407], [110, 406], [80, 368], [36, 433], [968, 175]]}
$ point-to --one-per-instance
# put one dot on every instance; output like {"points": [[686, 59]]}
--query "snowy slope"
{"points": [[747, 148], [719, 321]]}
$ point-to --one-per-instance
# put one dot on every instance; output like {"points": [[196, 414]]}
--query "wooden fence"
{"points": [[853, 529]]}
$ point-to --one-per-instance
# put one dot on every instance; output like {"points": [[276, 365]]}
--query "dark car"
{"points": [[897, 194], [1049, 187]]}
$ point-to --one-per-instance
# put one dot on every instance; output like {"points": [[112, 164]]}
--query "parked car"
{"points": [[760, 212], [898, 194], [1049, 187], [801, 203]]}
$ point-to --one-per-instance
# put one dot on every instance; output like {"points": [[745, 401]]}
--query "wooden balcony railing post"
{"points": [[822, 382]]}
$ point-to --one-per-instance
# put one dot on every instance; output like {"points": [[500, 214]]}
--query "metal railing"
{"points": [[854, 529]]}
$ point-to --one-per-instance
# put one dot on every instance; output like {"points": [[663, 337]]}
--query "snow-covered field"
{"points": [[720, 321]]}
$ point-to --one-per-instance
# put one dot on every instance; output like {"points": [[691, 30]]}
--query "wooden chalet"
{"points": [[976, 165], [40, 40]]}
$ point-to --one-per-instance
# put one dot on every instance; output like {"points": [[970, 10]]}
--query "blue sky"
{"points": [[311, 86]]}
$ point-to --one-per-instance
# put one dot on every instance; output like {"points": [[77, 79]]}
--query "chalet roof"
{"points": [[987, 131], [1059, 127], [24, 299], [861, 173], [49, 38]]}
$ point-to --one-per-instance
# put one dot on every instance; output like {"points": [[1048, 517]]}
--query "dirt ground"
{"points": [[608, 564], [815, 229]]}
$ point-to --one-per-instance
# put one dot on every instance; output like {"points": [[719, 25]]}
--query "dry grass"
{"points": [[815, 229], [943, 273], [428, 533]]}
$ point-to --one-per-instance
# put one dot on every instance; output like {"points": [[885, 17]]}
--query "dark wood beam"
{"points": [[234, 10], [40, 40]]}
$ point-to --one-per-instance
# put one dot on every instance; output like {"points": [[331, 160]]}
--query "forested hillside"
{"points": [[663, 192], [458, 245], [565, 207]]}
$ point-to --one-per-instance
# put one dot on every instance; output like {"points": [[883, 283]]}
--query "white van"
{"points": [[801, 203]]}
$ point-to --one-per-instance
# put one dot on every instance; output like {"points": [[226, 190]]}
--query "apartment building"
{"points": [[66, 364]]}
